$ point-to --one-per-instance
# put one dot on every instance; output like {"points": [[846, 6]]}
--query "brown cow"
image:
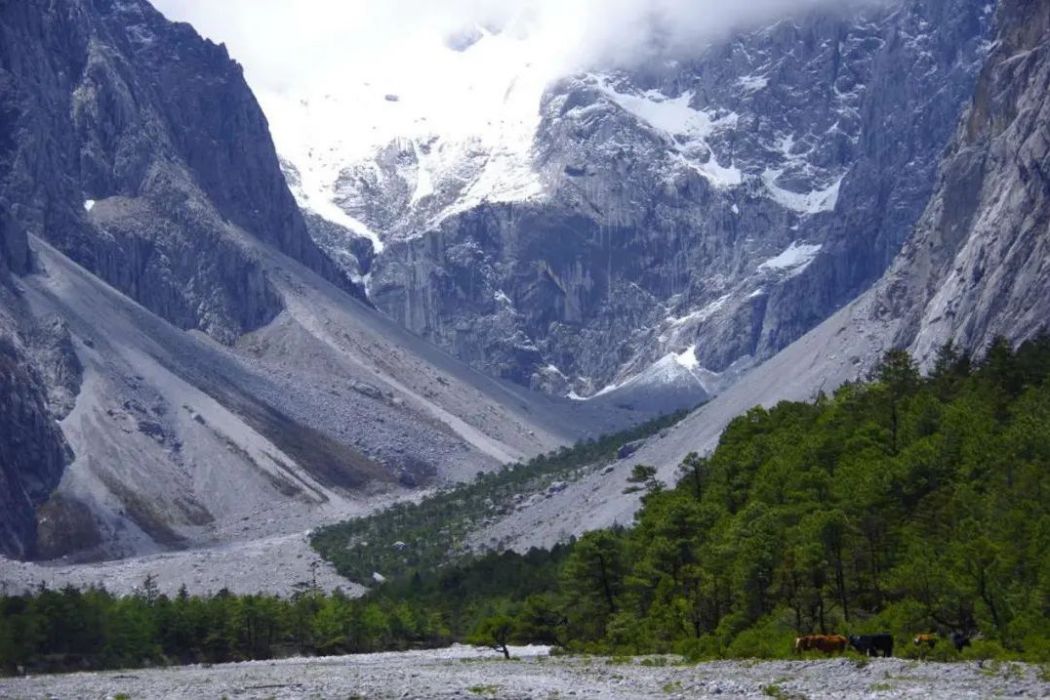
{"points": [[824, 643], [928, 640]]}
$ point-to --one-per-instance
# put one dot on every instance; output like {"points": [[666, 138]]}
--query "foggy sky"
{"points": [[285, 44]]}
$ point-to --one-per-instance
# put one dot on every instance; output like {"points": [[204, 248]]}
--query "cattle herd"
{"points": [[871, 644]]}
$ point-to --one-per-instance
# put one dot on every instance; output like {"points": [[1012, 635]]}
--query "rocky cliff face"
{"points": [[134, 145], [694, 218], [977, 266], [33, 451]]}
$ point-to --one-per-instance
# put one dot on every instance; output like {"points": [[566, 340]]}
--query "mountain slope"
{"points": [[180, 365], [711, 209], [180, 441], [977, 266], [974, 267]]}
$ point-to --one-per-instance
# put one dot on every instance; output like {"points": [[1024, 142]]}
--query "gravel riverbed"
{"points": [[465, 672]]}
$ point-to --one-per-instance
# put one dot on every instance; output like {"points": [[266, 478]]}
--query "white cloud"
{"points": [[287, 43], [323, 70]]}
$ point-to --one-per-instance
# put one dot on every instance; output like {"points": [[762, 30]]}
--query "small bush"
{"points": [[858, 660], [703, 649], [986, 649], [770, 639], [1036, 648], [775, 691]]}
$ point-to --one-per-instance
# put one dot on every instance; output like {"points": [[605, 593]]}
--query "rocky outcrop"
{"points": [[33, 452], [977, 266], [353, 254], [135, 146], [710, 211]]}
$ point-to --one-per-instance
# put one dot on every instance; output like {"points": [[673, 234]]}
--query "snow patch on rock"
{"points": [[806, 203], [700, 315], [752, 83], [796, 257], [688, 129]]}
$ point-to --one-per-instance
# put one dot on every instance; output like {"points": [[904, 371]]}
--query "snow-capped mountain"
{"points": [[715, 207], [385, 160]]}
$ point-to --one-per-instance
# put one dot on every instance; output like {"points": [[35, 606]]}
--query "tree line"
{"points": [[903, 504], [71, 629]]}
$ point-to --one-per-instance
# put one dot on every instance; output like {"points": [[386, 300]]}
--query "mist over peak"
{"points": [[286, 46]]}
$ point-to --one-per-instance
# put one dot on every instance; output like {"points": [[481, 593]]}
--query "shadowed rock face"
{"points": [[822, 138], [33, 452]]}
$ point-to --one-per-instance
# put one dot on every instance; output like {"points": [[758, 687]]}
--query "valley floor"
{"points": [[465, 672], [275, 565]]}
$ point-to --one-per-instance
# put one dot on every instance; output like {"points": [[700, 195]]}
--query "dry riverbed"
{"points": [[464, 672]]}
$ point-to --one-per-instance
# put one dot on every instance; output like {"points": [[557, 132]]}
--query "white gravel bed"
{"points": [[269, 565], [465, 672]]}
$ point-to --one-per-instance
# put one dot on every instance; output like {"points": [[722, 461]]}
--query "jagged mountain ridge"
{"points": [[692, 219], [180, 364]]}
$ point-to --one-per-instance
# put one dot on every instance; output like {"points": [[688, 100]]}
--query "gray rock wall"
{"points": [[136, 148], [639, 251], [977, 267], [108, 102], [33, 452]]}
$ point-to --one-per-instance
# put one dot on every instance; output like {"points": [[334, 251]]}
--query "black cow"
{"points": [[960, 640], [872, 644]]}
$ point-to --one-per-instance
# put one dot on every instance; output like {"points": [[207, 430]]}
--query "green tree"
{"points": [[643, 477], [494, 631], [592, 581]]}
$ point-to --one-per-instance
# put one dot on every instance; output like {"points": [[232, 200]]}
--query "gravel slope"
{"points": [[463, 672], [273, 565], [322, 415]]}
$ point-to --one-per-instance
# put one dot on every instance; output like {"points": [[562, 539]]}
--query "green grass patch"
{"points": [[775, 691]]}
